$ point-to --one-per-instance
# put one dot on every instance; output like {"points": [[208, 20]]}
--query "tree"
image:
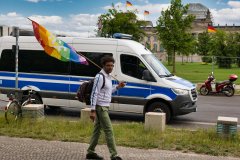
{"points": [[121, 22], [188, 46], [223, 47], [203, 47], [238, 48], [173, 27]]}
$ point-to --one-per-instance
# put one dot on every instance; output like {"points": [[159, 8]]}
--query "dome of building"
{"points": [[198, 10]]}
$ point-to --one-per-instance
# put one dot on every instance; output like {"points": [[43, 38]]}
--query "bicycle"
{"points": [[14, 107]]}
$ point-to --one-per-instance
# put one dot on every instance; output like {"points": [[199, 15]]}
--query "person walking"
{"points": [[100, 102]]}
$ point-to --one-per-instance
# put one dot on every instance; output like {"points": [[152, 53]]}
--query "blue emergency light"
{"points": [[122, 36]]}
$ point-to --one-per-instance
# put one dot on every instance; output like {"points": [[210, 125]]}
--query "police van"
{"points": [[150, 86]]}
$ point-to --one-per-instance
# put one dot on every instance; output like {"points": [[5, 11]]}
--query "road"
{"points": [[209, 108]]}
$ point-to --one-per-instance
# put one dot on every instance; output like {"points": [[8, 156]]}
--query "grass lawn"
{"points": [[198, 72], [126, 134]]}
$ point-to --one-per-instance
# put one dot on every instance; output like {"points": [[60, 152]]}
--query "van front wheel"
{"points": [[160, 107]]}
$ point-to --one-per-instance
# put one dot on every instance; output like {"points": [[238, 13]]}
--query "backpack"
{"points": [[85, 90]]}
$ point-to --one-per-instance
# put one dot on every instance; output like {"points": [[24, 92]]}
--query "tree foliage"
{"points": [[115, 21], [173, 26], [222, 45], [204, 46]]}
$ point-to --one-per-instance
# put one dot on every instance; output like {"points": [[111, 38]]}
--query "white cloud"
{"points": [[154, 9], [83, 25], [35, 1], [220, 2], [234, 4], [85, 19], [47, 19], [229, 15], [12, 14], [13, 19]]}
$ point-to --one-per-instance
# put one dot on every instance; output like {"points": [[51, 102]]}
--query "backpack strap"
{"points": [[103, 79]]}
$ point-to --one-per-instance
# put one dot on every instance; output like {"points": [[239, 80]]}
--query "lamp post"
{"points": [[16, 34]]}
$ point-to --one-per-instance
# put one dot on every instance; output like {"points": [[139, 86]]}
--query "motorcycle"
{"points": [[226, 87]]}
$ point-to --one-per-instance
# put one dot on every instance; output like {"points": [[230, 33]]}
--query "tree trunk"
{"points": [[173, 61], [169, 59], [182, 59]]}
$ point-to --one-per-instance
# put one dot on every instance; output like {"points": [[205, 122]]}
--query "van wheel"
{"points": [[160, 107]]}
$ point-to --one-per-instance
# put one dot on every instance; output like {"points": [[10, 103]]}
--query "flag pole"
{"points": [[89, 60], [96, 65], [16, 34], [29, 19]]}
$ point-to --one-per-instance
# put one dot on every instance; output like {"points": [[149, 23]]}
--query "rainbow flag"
{"points": [[128, 4], [146, 12], [55, 47], [211, 29]]}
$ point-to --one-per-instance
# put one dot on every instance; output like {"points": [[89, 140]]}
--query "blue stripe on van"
{"points": [[7, 74], [41, 85], [40, 76], [162, 90], [137, 90], [53, 77], [182, 82], [143, 90]]}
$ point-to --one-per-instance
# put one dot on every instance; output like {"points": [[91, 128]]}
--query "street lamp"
{"points": [[16, 48]]}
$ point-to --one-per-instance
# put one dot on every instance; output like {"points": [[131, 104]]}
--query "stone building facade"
{"points": [[5, 30]]}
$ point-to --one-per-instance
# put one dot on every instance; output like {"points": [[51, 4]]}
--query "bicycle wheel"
{"points": [[13, 111]]}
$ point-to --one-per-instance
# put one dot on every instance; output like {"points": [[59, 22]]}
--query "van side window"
{"points": [[88, 70], [37, 61], [132, 66], [7, 61], [33, 61]]}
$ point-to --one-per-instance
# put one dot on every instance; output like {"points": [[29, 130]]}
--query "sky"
{"points": [[79, 17]]}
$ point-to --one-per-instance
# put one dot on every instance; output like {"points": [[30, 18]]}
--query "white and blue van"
{"points": [[150, 86]]}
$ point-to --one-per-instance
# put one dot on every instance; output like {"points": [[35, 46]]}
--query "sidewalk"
{"points": [[30, 149]]}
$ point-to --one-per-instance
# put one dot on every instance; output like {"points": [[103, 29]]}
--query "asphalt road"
{"points": [[209, 108]]}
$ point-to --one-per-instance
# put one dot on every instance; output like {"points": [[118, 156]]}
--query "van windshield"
{"points": [[156, 65]]}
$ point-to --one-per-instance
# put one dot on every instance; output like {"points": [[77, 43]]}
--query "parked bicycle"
{"points": [[13, 109]]}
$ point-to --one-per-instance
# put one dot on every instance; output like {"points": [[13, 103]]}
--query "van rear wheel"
{"points": [[160, 107]]}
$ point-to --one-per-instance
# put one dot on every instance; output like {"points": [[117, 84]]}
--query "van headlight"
{"points": [[180, 91]]}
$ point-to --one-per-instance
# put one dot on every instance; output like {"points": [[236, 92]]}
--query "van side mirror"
{"points": [[148, 76]]}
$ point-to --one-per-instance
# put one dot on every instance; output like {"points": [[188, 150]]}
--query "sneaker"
{"points": [[116, 158], [93, 156]]}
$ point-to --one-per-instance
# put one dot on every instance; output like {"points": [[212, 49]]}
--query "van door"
{"points": [[81, 73], [131, 98]]}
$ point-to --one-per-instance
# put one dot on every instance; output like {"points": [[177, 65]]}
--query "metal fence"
{"points": [[196, 68]]}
